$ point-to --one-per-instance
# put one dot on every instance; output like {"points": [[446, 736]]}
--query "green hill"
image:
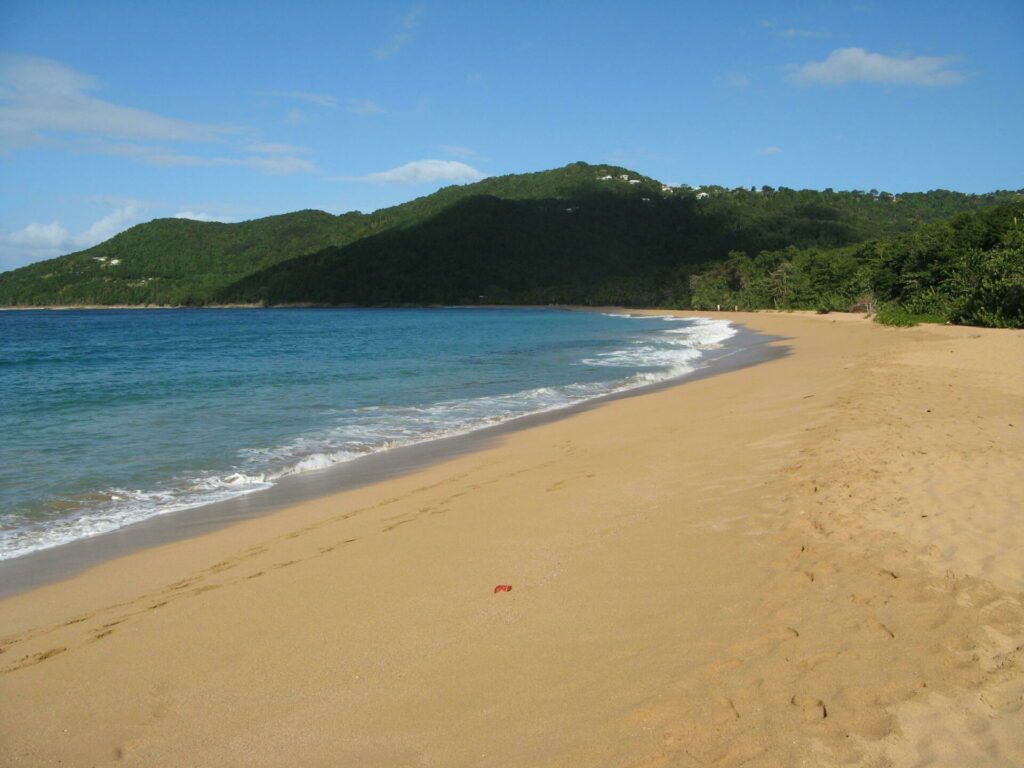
{"points": [[587, 234], [174, 261]]}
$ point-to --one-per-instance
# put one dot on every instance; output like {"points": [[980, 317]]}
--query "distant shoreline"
{"points": [[575, 307], [310, 305], [569, 307], [68, 307]]}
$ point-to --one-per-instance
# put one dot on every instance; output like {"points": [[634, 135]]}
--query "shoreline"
{"points": [[57, 563], [813, 560]]}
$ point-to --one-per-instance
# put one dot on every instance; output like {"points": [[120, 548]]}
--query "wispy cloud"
{"points": [[423, 171], [275, 160], [355, 106], [40, 98], [734, 80], [364, 107], [265, 148], [457, 151], [45, 102], [811, 34], [317, 99], [279, 165], [769, 150], [853, 65], [791, 33], [406, 23]]}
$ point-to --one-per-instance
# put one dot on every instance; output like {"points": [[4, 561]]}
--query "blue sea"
{"points": [[112, 417]]}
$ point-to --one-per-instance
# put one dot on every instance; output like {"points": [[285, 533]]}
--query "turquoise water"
{"points": [[112, 417]]}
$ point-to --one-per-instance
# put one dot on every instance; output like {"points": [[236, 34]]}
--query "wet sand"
{"points": [[811, 561]]}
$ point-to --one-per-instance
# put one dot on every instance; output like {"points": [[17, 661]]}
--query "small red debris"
{"points": [[503, 588]]}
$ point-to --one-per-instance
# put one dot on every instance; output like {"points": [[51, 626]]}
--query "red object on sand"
{"points": [[503, 588]]}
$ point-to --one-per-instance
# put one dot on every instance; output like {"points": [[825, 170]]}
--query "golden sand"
{"points": [[812, 562]]}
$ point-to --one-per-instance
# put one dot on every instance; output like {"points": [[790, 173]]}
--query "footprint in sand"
{"points": [[35, 658], [811, 708], [877, 625], [724, 711]]}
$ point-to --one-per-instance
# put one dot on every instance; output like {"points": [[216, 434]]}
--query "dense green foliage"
{"points": [[580, 234], [968, 269]]}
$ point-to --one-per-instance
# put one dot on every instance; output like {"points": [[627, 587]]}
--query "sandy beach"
{"points": [[814, 561]]}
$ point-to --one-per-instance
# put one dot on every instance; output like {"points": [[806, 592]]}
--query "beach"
{"points": [[811, 561]]}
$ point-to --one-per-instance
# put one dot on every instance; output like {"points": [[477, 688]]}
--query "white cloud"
{"points": [[195, 216], [40, 237], [104, 229], [40, 97], [43, 241], [769, 150], [294, 116], [422, 171], [398, 40], [46, 102], [848, 65]]}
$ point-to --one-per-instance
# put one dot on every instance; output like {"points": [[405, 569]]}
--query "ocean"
{"points": [[111, 417]]}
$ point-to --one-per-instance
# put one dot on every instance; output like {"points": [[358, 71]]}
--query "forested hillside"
{"points": [[968, 269], [584, 234]]}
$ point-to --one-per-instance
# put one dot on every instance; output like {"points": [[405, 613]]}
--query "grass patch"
{"points": [[894, 314]]}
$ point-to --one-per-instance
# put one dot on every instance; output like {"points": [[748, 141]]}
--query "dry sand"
{"points": [[812, 562]]}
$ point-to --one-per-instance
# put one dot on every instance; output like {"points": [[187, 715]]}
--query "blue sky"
{"points": [[117, 113]]}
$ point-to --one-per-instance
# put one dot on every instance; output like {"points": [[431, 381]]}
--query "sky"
{"points": [[115, 113]]}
